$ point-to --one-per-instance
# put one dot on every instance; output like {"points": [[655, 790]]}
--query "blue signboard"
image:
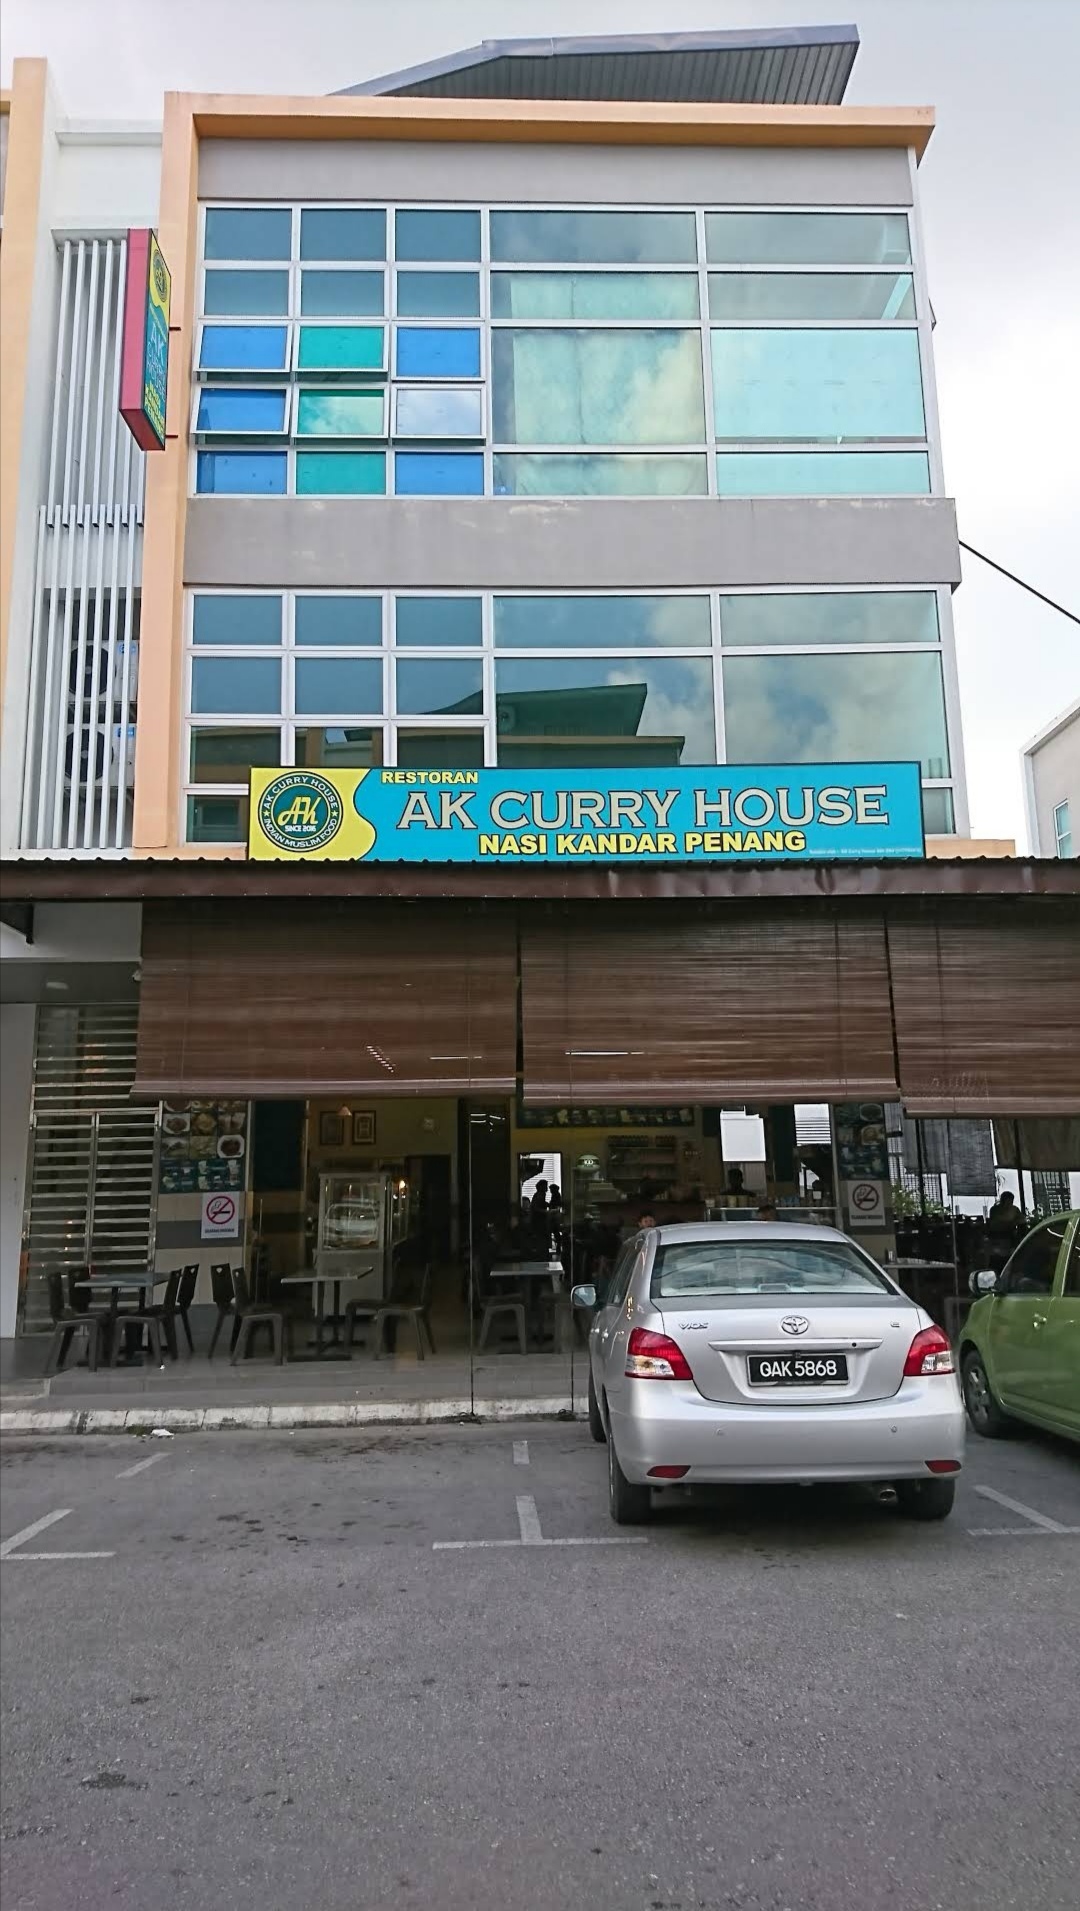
{"points": [[709, 814]]}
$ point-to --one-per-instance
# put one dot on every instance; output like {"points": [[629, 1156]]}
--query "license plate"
{"points": [[797, 1370]]}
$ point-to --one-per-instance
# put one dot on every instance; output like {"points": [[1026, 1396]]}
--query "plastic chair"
{"points": [[251, 1315], [185, 1294], [224, 1298], [412, 1305], [67, 1322], [164, 1312]]}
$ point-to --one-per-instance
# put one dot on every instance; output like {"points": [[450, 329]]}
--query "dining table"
{"points": [[334, 1348], [129, 1281]]}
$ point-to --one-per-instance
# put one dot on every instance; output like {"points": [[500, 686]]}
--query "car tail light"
{"points": [[668, 1472], [943, 1466], [930, 1353], [654, 1357]]}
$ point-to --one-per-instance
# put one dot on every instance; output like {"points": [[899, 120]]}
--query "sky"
{"points": [[999, 210]]}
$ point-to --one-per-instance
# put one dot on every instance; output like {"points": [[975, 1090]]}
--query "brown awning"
{"points": [[277, 999], [744, 1004], [987, 1006]]}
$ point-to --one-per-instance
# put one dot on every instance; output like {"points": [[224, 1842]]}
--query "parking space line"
{"points": [[529, 1521], [531, 1535], [140, 1466], [521, 1453], [1025, 1512], [1021, 1532], [31, 1532]]}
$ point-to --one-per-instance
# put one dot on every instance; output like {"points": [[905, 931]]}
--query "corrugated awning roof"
{"points": [[771, 66]]}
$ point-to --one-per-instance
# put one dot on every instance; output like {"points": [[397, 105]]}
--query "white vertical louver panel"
{"points": [[83, 683]]}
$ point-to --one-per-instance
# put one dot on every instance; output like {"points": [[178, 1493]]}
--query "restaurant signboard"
{"points": [[707, 814], [144, 349]]}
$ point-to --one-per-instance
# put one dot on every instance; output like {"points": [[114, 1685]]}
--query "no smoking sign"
{"points": [[220, 1217], [865, 1203]]}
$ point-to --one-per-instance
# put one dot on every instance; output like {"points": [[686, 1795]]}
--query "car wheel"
{"points": [[596, 1418], [629, 1505], [984, 1412], [926, 1499]]}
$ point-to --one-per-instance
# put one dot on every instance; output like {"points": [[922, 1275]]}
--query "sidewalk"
{"points": [[191, 1395]]}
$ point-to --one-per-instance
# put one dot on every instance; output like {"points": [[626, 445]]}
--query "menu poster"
{"points": [[203, 1146], [862, 1151], [605, 1117]]}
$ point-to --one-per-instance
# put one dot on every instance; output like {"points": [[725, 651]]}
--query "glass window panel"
{"points": [[601, 623], [440, 749], [813, 384], [236, 686], [226, 756], [247, 294], [341, 348], [438, 411], [341, 414], [594, 295], [594, 238], [242, 473], [217, 819], [438, 294], [441, 687], [419, 474], [596, 711], [342, 294], [336, 748], [248, 232], [807, 238], [822, 474], [330, 474], [244, 348], [837, 710], [434, 351], [574, 475], [811, 295], [937, 813], [337, 621], [830, 617], [331, 232], [439, 620], [597, 388], [338, 686], [236, 620], [231, 408], [427, 234]]}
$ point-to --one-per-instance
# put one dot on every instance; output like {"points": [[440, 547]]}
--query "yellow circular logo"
{"points": [[300, 812]]}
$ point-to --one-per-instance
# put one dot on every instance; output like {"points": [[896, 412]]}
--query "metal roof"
{"points": [[770, 66]]}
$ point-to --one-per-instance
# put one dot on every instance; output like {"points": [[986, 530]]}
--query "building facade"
{"points": [[541, 411], [1051, 771]]}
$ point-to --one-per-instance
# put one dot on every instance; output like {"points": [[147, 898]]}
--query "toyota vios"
{"points": [[753, 1352]]}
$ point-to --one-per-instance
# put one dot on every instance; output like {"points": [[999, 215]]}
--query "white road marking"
{"points": [[1021, 1532], [1017, 1506], [529, 1521], [16, 1556], [521, 1453], [7, 1549], [531, 1535], [140, 1466]]}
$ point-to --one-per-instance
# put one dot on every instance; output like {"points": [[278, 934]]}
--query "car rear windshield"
{"points": [[762, 1267]]}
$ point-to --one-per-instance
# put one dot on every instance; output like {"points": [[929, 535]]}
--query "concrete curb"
{"points": [[349, 1413]]}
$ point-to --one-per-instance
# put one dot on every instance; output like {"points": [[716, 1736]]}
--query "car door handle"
{"points": [[1038, 1320]]}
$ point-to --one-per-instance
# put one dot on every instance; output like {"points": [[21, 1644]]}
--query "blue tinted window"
{"points": [[341, 294], [438, 411], [234, 409], [434, 351], [588, 474], [597, 387], [248, 232], [338, 686], [440, 687], [236, 620], [246, 294], [594, 238], [439, 474], [340, 474], [434, 621], [338, 620], [822, 474], [437, 235], [438, 294], [816, 384], [244, 348], [601, 623], [236, 686], [249, 473], [337, 233]]}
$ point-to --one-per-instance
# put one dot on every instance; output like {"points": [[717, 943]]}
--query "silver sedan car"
{"points": [[757, 1352]]}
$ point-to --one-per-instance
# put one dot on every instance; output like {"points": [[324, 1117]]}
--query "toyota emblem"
{"points": [[794, 1323]]}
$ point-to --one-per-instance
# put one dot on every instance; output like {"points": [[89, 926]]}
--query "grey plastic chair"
{"points": [[67, 1322], [493, 1310], [412, 1305]]}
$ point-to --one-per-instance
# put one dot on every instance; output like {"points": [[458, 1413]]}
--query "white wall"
{"points": [[77, 932], [16, 1073], [107, 178]]}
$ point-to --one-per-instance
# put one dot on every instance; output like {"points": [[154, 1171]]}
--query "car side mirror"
{"points": [[984, 1282], [584, 1295]]}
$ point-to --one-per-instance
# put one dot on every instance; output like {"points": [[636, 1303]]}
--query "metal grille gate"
{"points": [[92, 1174]]}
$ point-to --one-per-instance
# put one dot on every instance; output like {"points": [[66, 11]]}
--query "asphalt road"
{"points": [[277, 1691]]}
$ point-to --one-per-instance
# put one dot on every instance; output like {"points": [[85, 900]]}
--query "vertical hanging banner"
{"points": [[144, 351]]}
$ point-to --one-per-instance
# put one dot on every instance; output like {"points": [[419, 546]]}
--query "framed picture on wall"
{"points": [[363, 1128], [331, 1129]]}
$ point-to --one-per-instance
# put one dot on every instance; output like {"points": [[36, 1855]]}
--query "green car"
{"points": [[1020, 1344]]}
